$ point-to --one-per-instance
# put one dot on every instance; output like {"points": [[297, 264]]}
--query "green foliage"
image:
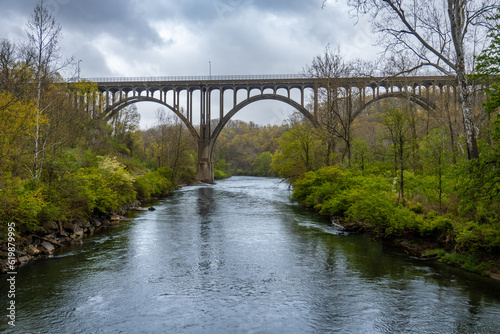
{"points": [[21, 202], [467, 262], [301, 150], [221, 170], [434, 225], [361, 154], [383, 213], [153, 184], [219, 174], [480, 188], [262, 164], [478, 239]]}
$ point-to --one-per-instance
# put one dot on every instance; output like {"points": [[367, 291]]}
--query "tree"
{"points": [[43, 34], [441, 34], [262, 164], [172, 145], [300, 150], [488, 71], [335, 113], [125, 121], [398, 124], [436, 157], [16, 123]]}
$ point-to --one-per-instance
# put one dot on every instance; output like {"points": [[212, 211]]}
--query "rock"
{"points": [[24, 259], [137, 208], [68, 226], [115, 219], [86, 224], [48, 246], [63, 233], [105, 222], [32, 250], [18, 252], [78, 231], [151, 209], [96, 222]]}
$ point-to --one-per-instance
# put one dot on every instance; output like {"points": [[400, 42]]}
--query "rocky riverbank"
{"points": [[52, 236]]}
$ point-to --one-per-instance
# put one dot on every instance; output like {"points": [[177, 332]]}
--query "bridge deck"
{"points": [[264, 80]]}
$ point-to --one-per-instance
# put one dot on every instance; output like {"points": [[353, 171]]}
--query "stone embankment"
{"points": [[50, 237]]}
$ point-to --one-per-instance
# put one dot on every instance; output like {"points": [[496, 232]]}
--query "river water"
{"points": [[238, 257]]}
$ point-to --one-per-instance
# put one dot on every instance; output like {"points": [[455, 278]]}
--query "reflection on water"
{"points": [[238, 257]]}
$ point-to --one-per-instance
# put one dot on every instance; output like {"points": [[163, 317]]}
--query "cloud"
{"points": [[179, 38]]}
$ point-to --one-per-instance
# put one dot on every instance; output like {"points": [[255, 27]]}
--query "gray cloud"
{"points": [[172, 37]]}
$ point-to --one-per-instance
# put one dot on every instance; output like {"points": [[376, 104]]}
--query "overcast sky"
{"points": [[181, 37]]}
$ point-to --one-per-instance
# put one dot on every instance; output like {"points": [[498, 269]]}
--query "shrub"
{"points": [[218, 174], [21, 202], [434, 225], [152, 184]]}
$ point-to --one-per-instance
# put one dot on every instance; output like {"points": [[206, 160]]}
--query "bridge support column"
{"points": [[205, 164]]}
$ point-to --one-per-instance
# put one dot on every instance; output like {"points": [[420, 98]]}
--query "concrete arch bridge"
{"points": [[202, 99]]}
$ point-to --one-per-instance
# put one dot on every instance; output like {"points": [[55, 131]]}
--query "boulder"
{"points": [[115, 219], [69, 226], [23, 259], [32, 250], [48, 246], [78, 233]]}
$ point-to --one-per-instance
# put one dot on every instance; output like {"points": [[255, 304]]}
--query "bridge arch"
{"points": [[261, 97], [412, 97], [114, 109]]}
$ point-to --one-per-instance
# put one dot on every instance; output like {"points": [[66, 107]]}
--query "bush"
{"points": [[479, 239], [218, 174], [153, 184], [316, 187], [434, 225], [21, 202], [382, 212]]}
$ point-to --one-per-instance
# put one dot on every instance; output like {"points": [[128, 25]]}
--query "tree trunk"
{"points": [[456, 12]]}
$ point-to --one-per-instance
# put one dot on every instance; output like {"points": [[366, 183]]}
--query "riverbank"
{"points": [[50, 237], [422, 248], [368, 204]]}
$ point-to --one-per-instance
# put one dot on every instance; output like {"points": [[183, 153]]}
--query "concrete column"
{"points": [[205, 165], [221, 105]]}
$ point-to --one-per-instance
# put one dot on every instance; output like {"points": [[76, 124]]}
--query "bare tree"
{"points": [[44, 34], [336, 113], [442, 34]]}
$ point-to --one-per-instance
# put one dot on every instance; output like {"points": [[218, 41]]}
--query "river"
{"points": [[239, 257]]}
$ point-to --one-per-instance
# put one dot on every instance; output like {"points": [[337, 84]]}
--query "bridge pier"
{"points": [[205, 164]]}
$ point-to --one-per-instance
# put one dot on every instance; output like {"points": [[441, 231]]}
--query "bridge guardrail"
{"points": [[199, 78]]}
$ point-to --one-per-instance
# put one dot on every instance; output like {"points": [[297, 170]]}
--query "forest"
{"points": [[403, 173]]}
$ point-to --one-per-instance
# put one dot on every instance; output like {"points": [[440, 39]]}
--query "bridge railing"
{"points": [[199, 78]]}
